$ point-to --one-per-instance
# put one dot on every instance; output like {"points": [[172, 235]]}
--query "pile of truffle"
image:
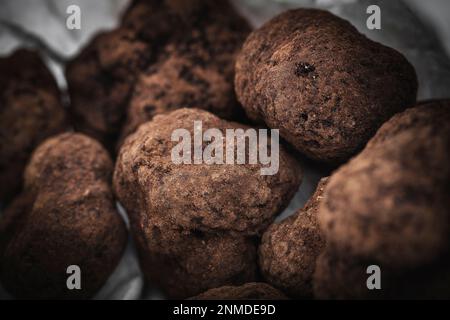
{"points": [[207, 231]]}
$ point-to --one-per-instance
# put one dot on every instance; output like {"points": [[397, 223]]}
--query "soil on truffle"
{"points": [[65, 216], [165, 55], [390, 203], [327, 108], [195, 224], [389, 206], [289, 249]]}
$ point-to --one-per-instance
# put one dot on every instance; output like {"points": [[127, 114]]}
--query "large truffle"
{"points": [[30, 111], [391, 203], [323, 84], [289, 249], [66, 216], [248, 291], [176, 53], [194, 223]]}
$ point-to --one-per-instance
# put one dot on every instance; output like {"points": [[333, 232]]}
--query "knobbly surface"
{"points": [[289, 249], [389, 207], [182, 57], [41, 236], [204, 204], [327, 108]]}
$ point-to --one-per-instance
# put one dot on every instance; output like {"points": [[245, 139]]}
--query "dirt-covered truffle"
{"points": [[66, 216], [391, 203], [184, 261], [248, 291], [323, 84], [100, 80], [176, 53], [189, 74], [195, 223], [289, 249], [30, 111]]}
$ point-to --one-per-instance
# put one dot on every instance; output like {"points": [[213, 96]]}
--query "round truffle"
{"points": [[66, 216], [289, 249], [30, 111], [391, 202], [248, 291], [323, 84], [210, 201]]}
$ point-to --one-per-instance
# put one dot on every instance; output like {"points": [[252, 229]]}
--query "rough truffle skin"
{"points": [[323, 84], [248, 291], [30, 111], [289, 249], [184, 262], [195, 69], [66, 216], [200, 35], [391, 202], [101, 78], [214, 210], [188, 75]]}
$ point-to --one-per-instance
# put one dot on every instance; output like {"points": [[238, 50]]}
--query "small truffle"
{"points": [[248, 291], [30, 111], [196, 221], [391, 202], [66, 216], [327, 108], [289, 249]]}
